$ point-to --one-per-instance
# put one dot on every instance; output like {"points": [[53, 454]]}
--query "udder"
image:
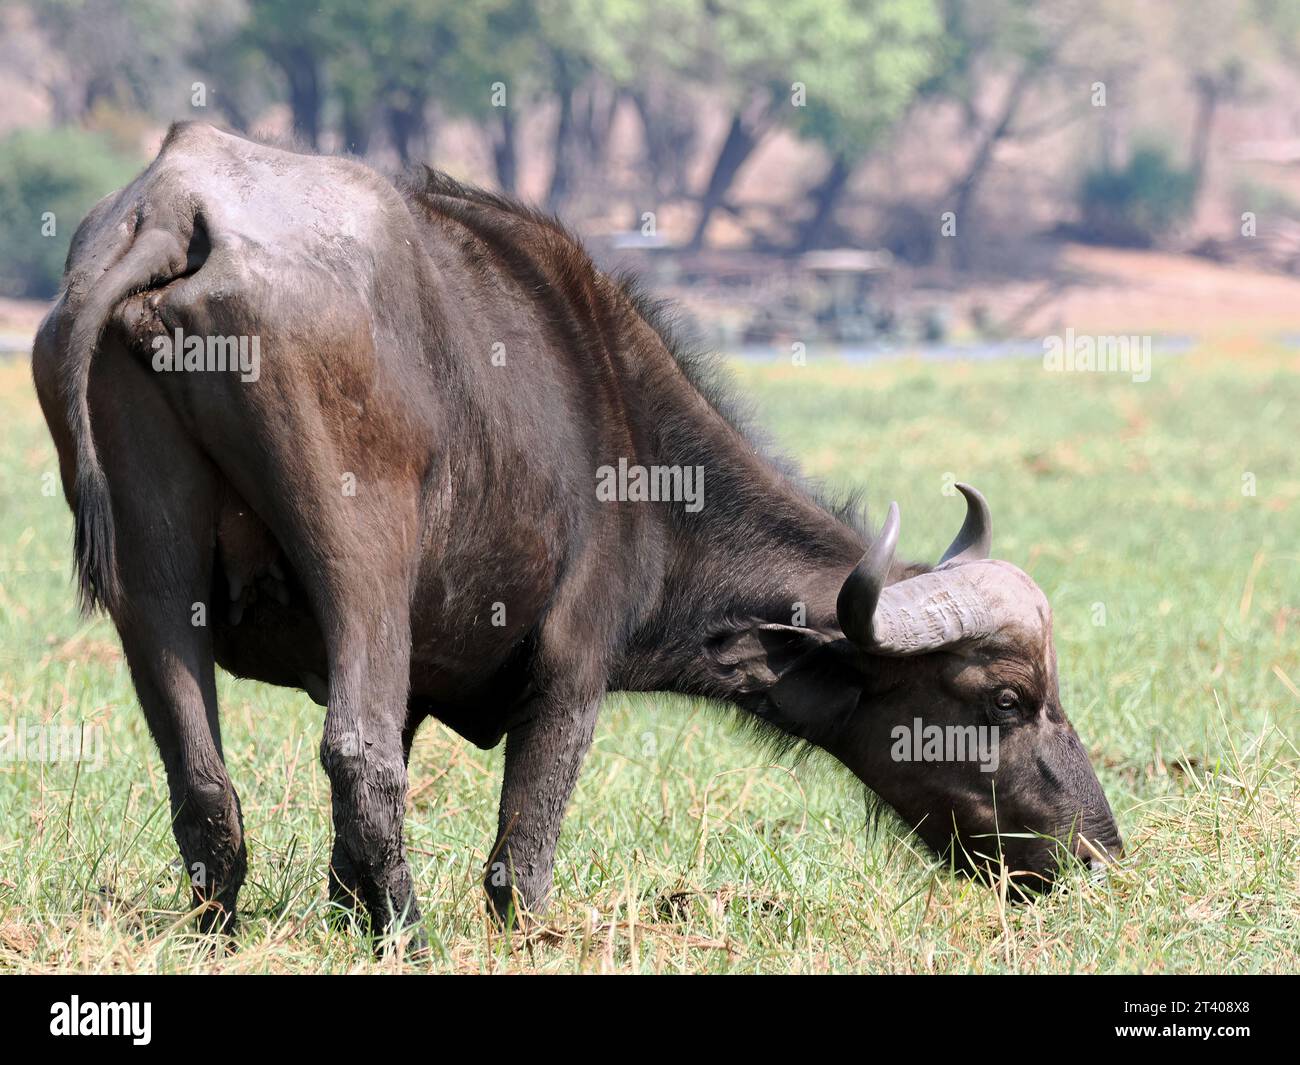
{"points": [[264, 627]]}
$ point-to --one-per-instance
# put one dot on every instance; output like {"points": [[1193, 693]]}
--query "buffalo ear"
{"points": [[800, 680]]}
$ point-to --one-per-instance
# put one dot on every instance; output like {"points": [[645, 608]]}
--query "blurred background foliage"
{"points": [[688, 126], [48, 180]]}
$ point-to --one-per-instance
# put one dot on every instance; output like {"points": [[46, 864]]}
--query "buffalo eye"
{"points": [[1006, 704]]}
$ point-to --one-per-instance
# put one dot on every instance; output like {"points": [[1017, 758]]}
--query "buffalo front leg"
{"points": [[543, 758]]}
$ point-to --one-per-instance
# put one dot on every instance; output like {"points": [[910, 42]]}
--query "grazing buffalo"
{"points": [[401, 445]]}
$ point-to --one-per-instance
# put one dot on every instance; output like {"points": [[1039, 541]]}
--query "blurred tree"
{"points": [[388, 60], [395, 58], [49, 179], [654, 61], [1280, 20], [853, 107], [984, 38], [1217, 42], [119, 52], [590, 50], [240, 78], [501, 68], [842, 51], [298, 38], [842, 73]]}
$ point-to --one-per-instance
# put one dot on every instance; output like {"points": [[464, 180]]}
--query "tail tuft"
{"points": [[94, 542]]}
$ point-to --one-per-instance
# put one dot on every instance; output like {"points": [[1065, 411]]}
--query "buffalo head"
{"points": [[972, 638], [942, 697]]}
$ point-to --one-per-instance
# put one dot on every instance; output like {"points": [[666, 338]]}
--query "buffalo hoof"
{"points": [[215, 919], [509, 911], [411, 944]]}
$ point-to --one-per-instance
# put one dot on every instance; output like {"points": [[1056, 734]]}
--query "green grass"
{"points": [[684, 849]]}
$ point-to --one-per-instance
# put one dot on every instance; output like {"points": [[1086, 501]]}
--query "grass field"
{"points": [[1177, 600]]}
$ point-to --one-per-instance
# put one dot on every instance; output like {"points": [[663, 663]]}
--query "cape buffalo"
{"points": [[405, 509]]}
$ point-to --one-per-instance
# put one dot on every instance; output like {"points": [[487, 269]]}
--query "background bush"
{"points": [[1134, 206], [64, 171]]}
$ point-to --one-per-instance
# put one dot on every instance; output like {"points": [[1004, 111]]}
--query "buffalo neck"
{"points": [[760, 546]]}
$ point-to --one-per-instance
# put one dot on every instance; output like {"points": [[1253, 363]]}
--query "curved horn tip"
{"points": [[856, 604], [886, 543], [975, 539], [892, 522]]}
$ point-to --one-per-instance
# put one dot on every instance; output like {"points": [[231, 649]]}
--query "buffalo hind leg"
{"points": [[173, 674], [362, 752], [344, 879], [165, 564], [544, 756], [353, 552]]}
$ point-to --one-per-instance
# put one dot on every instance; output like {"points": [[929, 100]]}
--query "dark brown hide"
{"points": [[399, 513]]}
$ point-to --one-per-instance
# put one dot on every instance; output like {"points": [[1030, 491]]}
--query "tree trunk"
{"points": [[593, 107], [406, 128], [743, 136], [603, 125], [235, 115], [825, 197], [962, 194], [1207, 104], [505, 154], [563, 151], [303, 74], [663, 160], [355, 127]]}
